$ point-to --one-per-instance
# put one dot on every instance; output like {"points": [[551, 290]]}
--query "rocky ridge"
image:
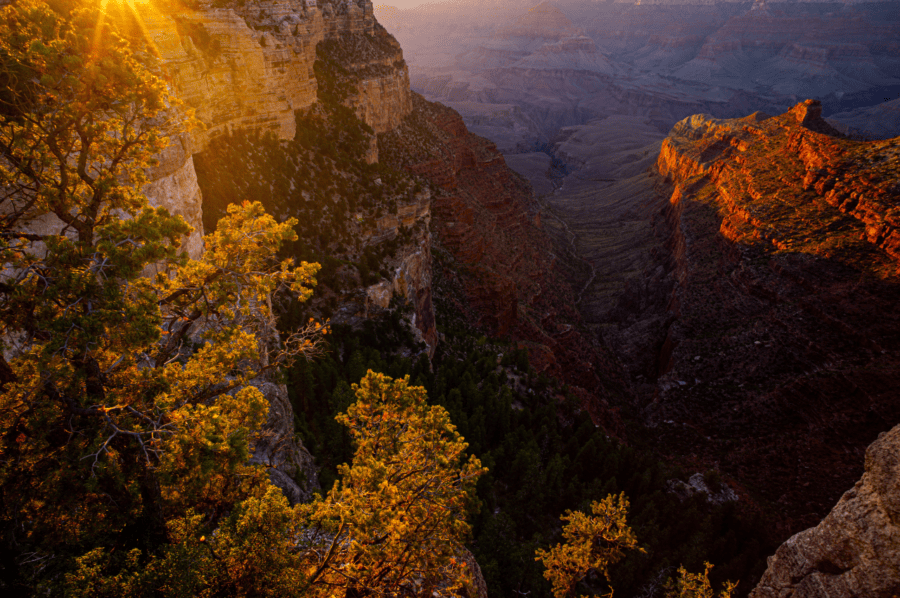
{"points": [[859, 180], [782, 349]]}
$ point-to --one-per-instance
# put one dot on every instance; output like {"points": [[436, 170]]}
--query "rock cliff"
{"points": [[781, 356], [249, 69], [855, 550], [249, 66], [811, 169]]}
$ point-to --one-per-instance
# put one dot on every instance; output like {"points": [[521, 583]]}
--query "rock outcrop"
{"points": [[289, 464], [855, 551], [233, 73], [859, 180], [248, 67], [173, 185]]}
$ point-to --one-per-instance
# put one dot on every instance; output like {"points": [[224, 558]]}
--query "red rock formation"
{"points": [[778, 176], [485, 215], [784, 358]]}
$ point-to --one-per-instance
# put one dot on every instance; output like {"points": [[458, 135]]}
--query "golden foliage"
{"points": [[592, 544], [397, 519], [394, 524], [696, 585]]}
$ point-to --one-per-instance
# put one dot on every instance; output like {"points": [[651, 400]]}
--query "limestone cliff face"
{"points": [[235, 75], [855, 550], [173, 185], [249, 67]]}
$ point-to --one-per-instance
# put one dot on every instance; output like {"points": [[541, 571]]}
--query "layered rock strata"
{"points": [[249, 67], [813, 169], [855, 550]]}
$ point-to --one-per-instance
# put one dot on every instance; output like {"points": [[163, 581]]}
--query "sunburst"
{"points": [[130, 11]]}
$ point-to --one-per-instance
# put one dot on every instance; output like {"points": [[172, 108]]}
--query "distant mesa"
{"points": [[576, 53], [544, 20]]}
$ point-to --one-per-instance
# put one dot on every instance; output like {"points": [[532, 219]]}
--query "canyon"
{"points": [[653, 215], [521, 72], [731, 244], [706, 263]]}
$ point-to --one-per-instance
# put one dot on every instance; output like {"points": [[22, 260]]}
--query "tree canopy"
{"points": [[126, 401], [592, 544], [397, 518]]}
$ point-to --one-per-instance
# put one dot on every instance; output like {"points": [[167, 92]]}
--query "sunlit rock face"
{"points": [[249, 66], [237, 77], [855, 550], [782, 343], [173, 185]]}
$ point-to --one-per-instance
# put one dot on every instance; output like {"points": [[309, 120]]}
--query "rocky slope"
{"points": [[485, 216], [246, 70], [855, 550]]}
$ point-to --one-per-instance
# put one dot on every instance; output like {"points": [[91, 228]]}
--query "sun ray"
{"points": [[132, 5], [98, 30]]}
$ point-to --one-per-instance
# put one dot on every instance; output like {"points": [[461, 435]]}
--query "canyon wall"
{"points": [[485, 216], [249, 67]]}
